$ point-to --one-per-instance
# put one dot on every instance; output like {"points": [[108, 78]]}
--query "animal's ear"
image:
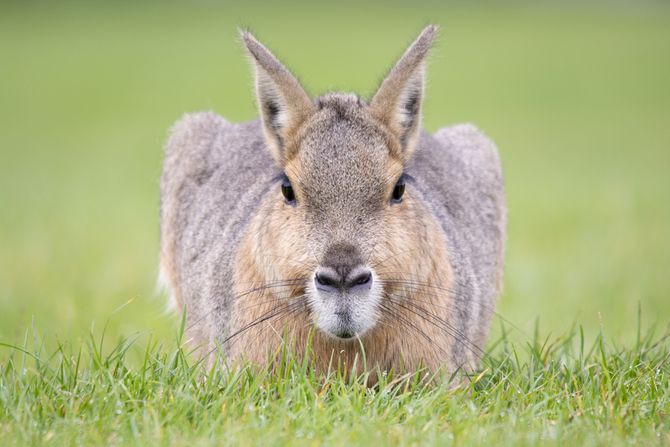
{"points": [[397, 103], [282, 101]]}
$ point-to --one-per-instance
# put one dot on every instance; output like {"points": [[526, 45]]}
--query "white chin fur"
{"points": [[361, 310]]}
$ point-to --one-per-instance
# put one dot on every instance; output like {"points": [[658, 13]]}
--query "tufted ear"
{"points": [[397, 103], [282, 101]]}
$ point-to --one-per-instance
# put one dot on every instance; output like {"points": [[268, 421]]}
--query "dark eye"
{"points": [[398, 190], [287, 191]]}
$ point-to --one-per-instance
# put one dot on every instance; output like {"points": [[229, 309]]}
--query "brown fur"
{"points": [[264, 255]]}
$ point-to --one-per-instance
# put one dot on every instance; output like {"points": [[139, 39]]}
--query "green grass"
{"points": [[551, 392], [576, 96]]}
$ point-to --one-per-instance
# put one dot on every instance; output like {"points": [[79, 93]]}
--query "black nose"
{"points": [[335, 280], [342, 270]]}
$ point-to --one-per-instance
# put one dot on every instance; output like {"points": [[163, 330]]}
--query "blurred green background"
{"points": [[576, 96]]}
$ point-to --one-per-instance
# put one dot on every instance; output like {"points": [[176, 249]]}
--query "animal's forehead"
{"points": [[343, 140], [342, 153]]}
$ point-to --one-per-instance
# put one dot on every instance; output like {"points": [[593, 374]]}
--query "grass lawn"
{"points": [[557, 395], [577, 98]]}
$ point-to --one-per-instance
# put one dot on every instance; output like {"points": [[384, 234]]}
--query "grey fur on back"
{"points": [[215, 176]]}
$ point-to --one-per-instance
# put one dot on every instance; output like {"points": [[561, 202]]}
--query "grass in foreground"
{"points": [[547, 393]]}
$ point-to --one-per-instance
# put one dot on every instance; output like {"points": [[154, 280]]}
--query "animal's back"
{"points": [[215, 175], [459, 174]]}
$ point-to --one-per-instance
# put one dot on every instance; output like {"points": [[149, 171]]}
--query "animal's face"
{"points": [[341, 222], [342, 193]]}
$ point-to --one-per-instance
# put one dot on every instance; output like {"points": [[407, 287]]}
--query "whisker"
{"points": [[408, 323], [440, 323], [453, 295], [276, 284], [271, 281], [419, 284], [299, 306], [274, 312], [269, 301]]}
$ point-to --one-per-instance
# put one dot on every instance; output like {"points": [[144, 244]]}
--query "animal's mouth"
{"points": [[345, 335], [340, 326], [344, 330]]}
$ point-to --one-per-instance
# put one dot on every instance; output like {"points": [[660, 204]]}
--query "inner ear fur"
{"points": [[397, 102], [282, 102]]}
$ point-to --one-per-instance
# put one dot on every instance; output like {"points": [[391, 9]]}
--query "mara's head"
{"points": [[342, 222]]}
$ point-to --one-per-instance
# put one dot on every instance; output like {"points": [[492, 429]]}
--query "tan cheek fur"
{"points": [[414, 251], [401, 340], [273, 264]]}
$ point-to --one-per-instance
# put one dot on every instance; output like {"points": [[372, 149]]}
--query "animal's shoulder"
{"points": [[205, 141], [190, 142], [473, 148], [459, 168], [459, 161], [193, 131]]}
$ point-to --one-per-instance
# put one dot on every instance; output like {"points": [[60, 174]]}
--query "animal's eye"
{"points": [[287, 191], [398, 190]]}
